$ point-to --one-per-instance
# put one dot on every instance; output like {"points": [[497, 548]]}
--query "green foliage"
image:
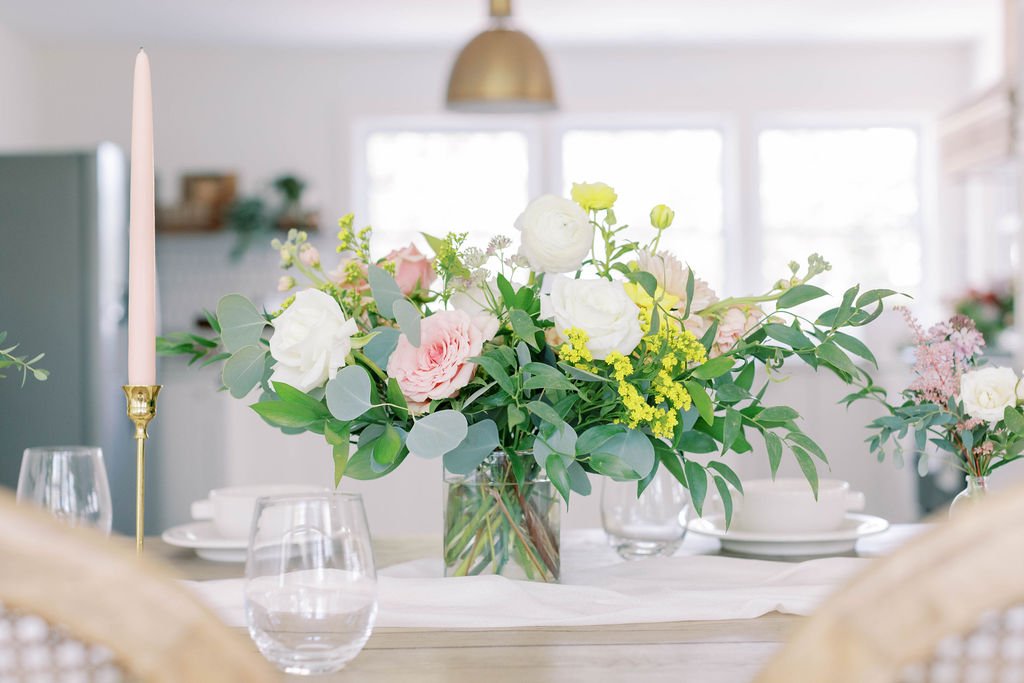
{"points": [[24, 364]]}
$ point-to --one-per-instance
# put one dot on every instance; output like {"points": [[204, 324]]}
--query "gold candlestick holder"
{"points": [[141, 399]]}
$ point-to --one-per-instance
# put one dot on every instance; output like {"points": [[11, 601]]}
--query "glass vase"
{"points": [[975, 492], [494, 525]]}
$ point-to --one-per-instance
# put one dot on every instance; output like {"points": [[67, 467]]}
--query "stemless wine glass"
{"points": [[311, 585], [653, 524], [70, 482]]}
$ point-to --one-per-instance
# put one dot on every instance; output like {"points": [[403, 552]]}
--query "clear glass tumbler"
{"points": [[653, 524], [70, 482], [311, 585]]}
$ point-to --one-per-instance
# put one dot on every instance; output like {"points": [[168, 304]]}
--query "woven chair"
{"points": [[948, 607], [75, 606]]}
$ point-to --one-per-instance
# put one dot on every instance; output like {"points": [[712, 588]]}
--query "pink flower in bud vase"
{"points": [[438, 368], [412, 269]]}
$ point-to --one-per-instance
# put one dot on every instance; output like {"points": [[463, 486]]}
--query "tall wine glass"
{"points": [[70, 482], [311, 585]]}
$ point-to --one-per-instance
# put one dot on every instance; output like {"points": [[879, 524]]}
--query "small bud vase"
{"points": [[975, 492], [496, 525]]}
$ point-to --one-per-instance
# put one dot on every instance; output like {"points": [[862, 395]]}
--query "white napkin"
{"points": [[597, 588]]}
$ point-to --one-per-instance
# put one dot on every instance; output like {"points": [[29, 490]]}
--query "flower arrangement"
{"points": [[965, 410], [581, 352], [22, 364], [991, 311]]}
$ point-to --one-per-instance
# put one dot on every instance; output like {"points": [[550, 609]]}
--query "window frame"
{"points": [[742, 226], [923, 125]]}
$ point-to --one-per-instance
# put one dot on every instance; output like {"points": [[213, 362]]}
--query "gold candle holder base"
{"points": [[141, 400]]}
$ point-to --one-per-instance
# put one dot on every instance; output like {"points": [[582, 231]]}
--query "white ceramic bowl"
{"points": [[231, 509], [788, 506]]}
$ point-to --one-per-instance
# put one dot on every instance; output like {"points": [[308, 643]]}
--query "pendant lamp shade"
{"points": [[501, 71]]}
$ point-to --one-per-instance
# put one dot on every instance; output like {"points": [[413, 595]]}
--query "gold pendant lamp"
{"points": [[501, 71]]}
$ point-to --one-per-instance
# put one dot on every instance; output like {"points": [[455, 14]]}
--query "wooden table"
{"points": [[705, 651]]}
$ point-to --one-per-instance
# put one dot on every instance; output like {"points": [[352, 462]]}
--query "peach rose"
{"points": [[412, 269], [734, 324], [438, 368]]}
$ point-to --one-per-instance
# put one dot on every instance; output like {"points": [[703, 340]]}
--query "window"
{"points": [[678, 167], [444, 181], [851, 194]]}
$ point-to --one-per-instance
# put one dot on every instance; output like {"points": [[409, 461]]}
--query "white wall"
{"points": [[17, 101], [262, 111]]}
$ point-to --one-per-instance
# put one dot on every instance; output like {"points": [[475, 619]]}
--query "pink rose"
{"points": [[438, 368], [412, 269], [734, 324]]}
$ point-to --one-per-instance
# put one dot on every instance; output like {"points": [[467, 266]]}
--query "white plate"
{"points": [[758, 544], [204, 538]]}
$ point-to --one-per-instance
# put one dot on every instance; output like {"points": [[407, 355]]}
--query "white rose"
{"points": [[476, 303], [601, 308], [556, 234], [310, 341], [987, 392]]}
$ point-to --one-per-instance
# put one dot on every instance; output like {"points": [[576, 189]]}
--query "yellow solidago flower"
{"points": [[574, 350], [593, 196]]}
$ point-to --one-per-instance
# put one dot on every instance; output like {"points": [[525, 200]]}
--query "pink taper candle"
{"points": [[142, 238]]}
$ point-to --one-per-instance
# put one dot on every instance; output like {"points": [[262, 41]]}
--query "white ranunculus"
{"points": [[556, 234], [311, 340], [601, 308], [477, 303], [987, 392]]}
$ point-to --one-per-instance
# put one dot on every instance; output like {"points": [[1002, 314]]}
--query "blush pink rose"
{"points": [[412, 269], [438, 368]]}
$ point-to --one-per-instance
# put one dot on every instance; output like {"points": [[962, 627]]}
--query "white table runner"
{"points": [[599, 588]]}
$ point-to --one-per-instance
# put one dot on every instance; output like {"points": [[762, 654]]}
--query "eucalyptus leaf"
{"points": [[560, 439], [241, 324], [434, 435], [244, 369], [348, 394], [633, 448], [558, 474], [408, 318], [380, 348], [385, 290], [481, 440]]}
